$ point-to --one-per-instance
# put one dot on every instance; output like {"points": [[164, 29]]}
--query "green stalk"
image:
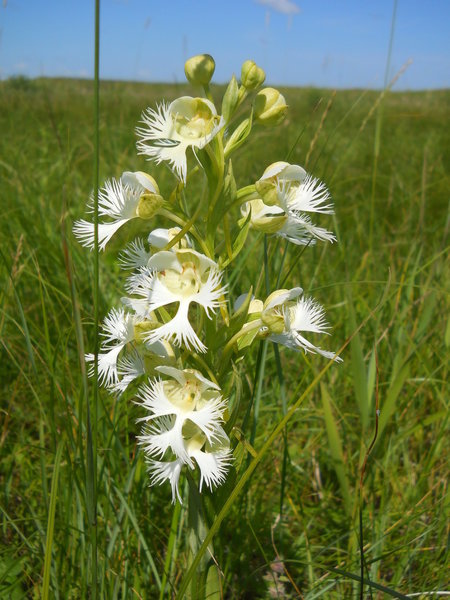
{"points": [[51, 524], [92, 428], [170, 547]]}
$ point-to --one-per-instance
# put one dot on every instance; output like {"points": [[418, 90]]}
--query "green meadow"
{"points": [[309, 520]]}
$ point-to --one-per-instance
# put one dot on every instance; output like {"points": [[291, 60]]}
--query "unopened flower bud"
{"points": [[270, 107], [199, 69], [273, 320], [252, 76], [148, 206], [267, 189]]}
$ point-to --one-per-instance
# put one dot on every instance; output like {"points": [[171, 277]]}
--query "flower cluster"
{"points": [[174, 342]]}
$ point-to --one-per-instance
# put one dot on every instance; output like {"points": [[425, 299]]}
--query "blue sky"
{"points": [[329, 43]]}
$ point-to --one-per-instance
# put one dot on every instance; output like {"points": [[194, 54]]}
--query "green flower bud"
{"points": [[199, 69], [149, 204], [273, 320], [252, 76], [267, 189], [270, 107]]}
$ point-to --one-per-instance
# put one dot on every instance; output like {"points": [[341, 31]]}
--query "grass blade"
{"points": [[51, 523]]}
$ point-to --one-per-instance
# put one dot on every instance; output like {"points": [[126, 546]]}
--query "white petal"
{"points": [[274, 169], [165, 259], [311, 196], [84, 231], [309, 347], [163, 471], [154, 399], [129, 368], [159, 238], [107, 366], [210, 295], [178, 331], [118, 200], [117, 326], [307, 315], [139, 181], [134, 256], [213, 466], [209, 417], [157, 440], [284, 296]]}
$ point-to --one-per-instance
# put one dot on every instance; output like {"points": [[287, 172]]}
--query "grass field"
{"points": [[294, 531]]}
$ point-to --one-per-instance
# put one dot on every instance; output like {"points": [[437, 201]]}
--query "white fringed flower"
{"points": [[297, 190], [282, 318], [183, 427], [172, 128], [306, 315], [184, 277], [181, 403], [290, 189], [118, 328], [133, 195]]}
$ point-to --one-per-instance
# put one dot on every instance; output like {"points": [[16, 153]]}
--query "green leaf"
{"points": [[239, 135], [335, 446], [238, 242], [230, 99]]}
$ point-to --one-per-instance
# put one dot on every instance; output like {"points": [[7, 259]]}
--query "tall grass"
{"points": [[306, 450]]}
